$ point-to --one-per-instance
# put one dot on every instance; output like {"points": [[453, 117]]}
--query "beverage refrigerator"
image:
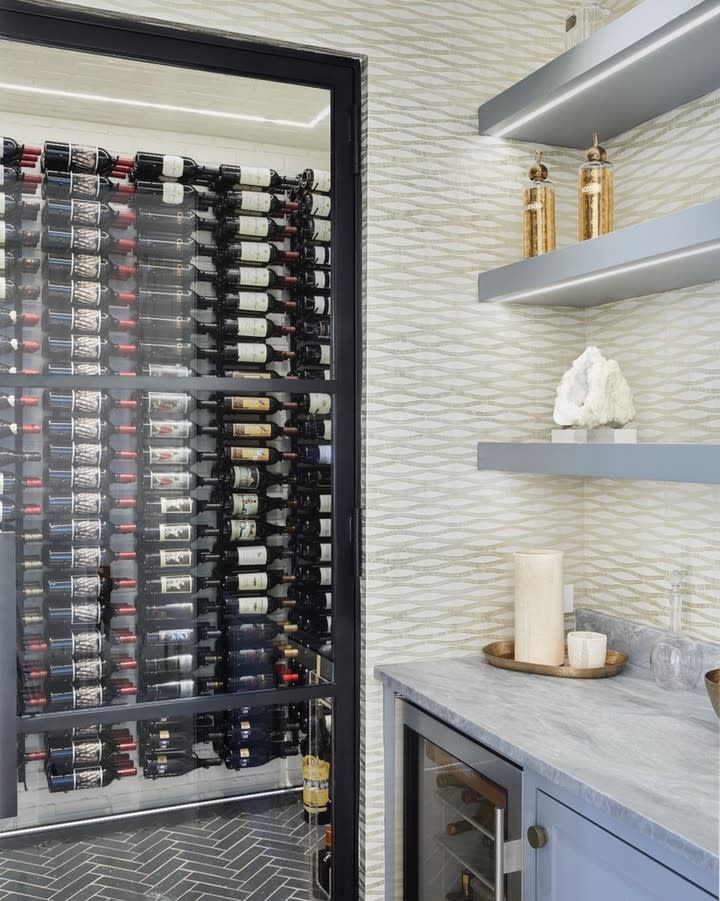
{"points": [[179, 459]]}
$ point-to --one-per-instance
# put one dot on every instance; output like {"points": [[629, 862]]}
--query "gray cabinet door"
{"points": [[583, 862]]}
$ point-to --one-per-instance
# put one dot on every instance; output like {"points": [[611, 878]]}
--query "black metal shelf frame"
{"points": [[103, 35]]}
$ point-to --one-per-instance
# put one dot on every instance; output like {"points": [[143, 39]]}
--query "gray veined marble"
{"points": [[647, 757]]}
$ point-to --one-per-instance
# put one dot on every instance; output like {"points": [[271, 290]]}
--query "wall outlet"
{"points": [[568, 598]]}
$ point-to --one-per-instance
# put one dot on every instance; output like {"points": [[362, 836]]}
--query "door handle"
{"points": [[8, 676]]}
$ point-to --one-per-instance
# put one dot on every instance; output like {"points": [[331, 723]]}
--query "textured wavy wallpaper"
{"points": [[444, 372]]}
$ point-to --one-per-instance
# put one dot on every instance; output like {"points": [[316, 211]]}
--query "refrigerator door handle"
{"points": [[8, 677], [499, 854]]}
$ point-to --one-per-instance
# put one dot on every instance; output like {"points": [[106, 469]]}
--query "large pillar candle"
{"points": [[539, 634]]}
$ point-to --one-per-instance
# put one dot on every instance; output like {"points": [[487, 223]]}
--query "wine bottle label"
{"points": [[325, 552], [251, 606], [185, 688], [3, 283], [316, 784], [184, 663], [321, 181], [172, 636], [325, 501], [245, 477], [252, 328], [325, 355], [175, 532], [325, 575], [319, 404], [168, 428], [240, 374], [250, 404], [169, 505], [168, 404], [320, 206], [243, 530], [87, 268], [176, 584], [84, 185], [322, 256], [261, 430], [172, 192], [86, 429], [86, 753], [3, 236], [322, 279], [86, 503], [83, 347], [258, 178], [90, 778], [322, 231], [252, 302], [249, 455], [255, 251], [169, 481], [83, 159], [87, 670], [86, 477], [85, 212], [164, 456], [180, 557], [251, 556], [85, 294], [87, 696], [84, 614], [252, 581], [85, 369], [2, 483], [2, 198], [253, 226], [86, 644], [85, 557], [325, 430], [88, 530], [172, 166], [86, 454], [256, 201], [88, 321], [245, 352], [256, 278], [245, 504], [84, 586], [162, 371], [85, 240]]}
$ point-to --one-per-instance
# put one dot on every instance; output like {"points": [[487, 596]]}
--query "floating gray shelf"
{"points": [[654, 58], [674, 251], [653, 462]]}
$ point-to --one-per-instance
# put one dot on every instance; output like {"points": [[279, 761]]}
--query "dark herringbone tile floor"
{"points": [[257, 851]]}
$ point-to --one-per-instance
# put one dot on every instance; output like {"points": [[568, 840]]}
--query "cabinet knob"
{"points": [[537, 837]]}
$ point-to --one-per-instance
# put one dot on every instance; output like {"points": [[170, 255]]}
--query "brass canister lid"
{"points": [[596, 153], [538, 172]]}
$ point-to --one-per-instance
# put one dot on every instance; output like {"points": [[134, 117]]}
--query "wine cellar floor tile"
{"points": [[236, 852]]}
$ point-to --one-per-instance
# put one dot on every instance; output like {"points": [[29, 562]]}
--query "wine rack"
{"points": [[174, 543]]}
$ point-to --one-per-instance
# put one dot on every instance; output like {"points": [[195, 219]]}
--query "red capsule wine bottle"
{"points": [[85, 429], [252, 227], [10, 317], [80, 348], [85, 403], [82, 672], [89, 777], [93, 213], [267, 455], [310, 204], [13, 181], [11, 290], [12, 428], [82, 186], [234, 202], [58, 156], [10, 236], [10, 263], [86, 454], [315, 255], [74, 368], [11, 152], [10, 512], [65, 755], [230, 178], [251, 555], [253, 252], [15, 210], [82, 240], [168, 167], [253, 303], [315, 180], [248, 277], [76, 557], [81, 294], [169, 221], [245, 327], [81, 613], [87, 531], [249, 504], [86, 478], [248, 531], [83, 267], [252, 478], [14, 345], [255, 353], [169, 194], [312, 230], [83, 321], [9, 484]]}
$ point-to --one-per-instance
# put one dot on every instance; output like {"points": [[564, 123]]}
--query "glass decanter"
{"points": [[675, 660]]}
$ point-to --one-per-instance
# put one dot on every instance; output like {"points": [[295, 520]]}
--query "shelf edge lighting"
{"points": [[586, 84], [165, 107], [609, 273]]}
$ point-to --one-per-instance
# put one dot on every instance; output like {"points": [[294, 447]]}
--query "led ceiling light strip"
{"points": [[609, 273], [588, 83], [167, 107]]}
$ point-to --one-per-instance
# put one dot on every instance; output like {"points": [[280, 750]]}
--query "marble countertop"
{"points": [[645, 756]]}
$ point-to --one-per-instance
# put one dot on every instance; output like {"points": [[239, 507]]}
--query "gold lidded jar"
{"points": [[596, 194], [538, 211]]}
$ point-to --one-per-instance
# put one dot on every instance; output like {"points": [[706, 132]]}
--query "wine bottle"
{"points": [[234, 202], [77, 587], [161, 766], [87, 454], [11, 512], [93, 213], [82, 369], [319, 624], [313, 355], [236, 404], [259, 580], [83, 267], [305, 502], [252, 227], [170, 247], [314, 599], [310, 204], [171, 664], [177, 533], [314, 330], [315, 255], [171, 506], [177, 455], [169, 221], [234, 660], [268, 455], [252, 605], [19, 265], [248, 530], [180, 558], [252, 555], [312, 280], [11, 152], [85, 429], [10, 236], [165, 637], [260, 431], [180, 301], [14, 345], [78, 645], [170, 351], [313, 404], [8, 458], [86, 478], [15, 210], [10, 317], [85, 403], [90, 777], [83, 240], [314, 230], [10, 290], [81, 294], [249, 633], [249, 757], [76, 557], [178, 584], [167, 691], [252, 478], [309, 526], [318, 576], [169, 429], [177, 614], [250, 505], [12, 428], [172, 194], [13, 181], [255, 353], [58, 156], [85, 347], [9, 484], [252, 252], [85, 531], [251, 303], [248, 277], [171, 273], [83, 613], [315, 180], [245, 327], [78, 186], [166, 481], [230, 178], [83, 672], [167, 167], [63, 755]]}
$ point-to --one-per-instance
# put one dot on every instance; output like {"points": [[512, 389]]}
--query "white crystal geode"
{"points": [[593, 393]]}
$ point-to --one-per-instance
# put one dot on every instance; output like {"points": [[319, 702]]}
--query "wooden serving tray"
{"points": [[502, 654]]}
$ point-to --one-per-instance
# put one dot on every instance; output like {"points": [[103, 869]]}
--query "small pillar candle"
{"points": [[539, 636]]}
